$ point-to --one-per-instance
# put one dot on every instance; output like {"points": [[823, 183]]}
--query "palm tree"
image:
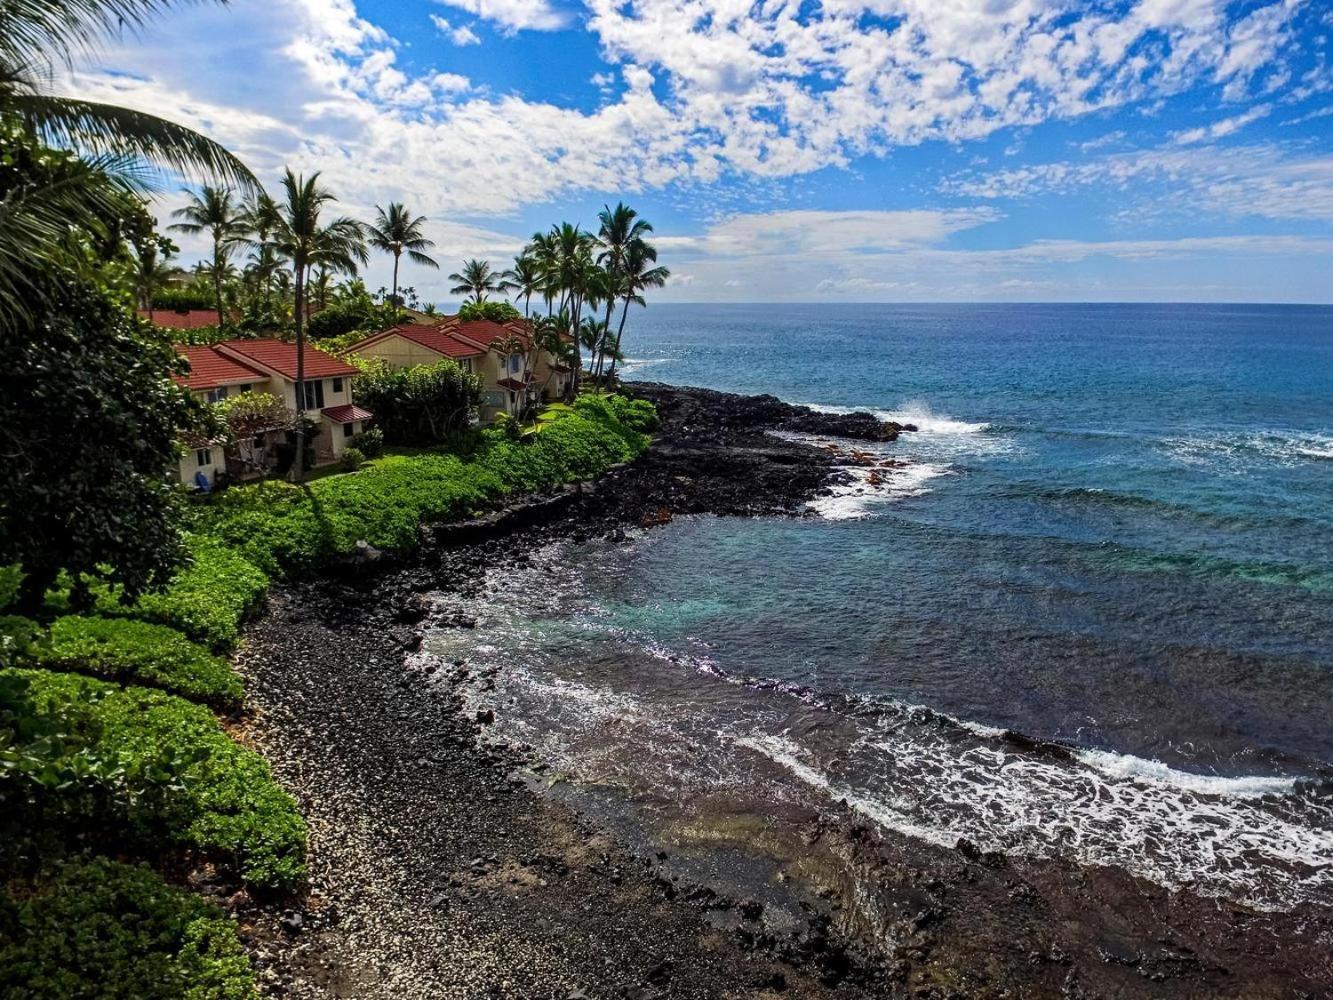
{"points": [[621, 229], [477, 280], [213, 211], [640, 274], [260, 215], [152, 270], [526, 278], [299, 235], [36, 37], [396, 232]]}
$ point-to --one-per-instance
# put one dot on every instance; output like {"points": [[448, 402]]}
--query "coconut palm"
{"points": [[152, 270], [396, 232], [214, 211], [526, 278], [36, 38], [302, 237], [621, 228], [477, 280], [640, 273]]}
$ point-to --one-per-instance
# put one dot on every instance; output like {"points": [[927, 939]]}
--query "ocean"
{"points": [[1091, 616]]}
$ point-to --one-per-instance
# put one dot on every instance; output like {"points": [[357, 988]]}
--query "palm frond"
{"points": [[106, 129], [64, 27]]}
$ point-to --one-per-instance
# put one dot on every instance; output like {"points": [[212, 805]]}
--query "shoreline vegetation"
{"points": [[134, 770], [127, 785]]}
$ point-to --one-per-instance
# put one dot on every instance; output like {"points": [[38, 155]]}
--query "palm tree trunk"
{"points": [[298, 464], [606, 330], [615, 353], [217, 278], [394, 299]]}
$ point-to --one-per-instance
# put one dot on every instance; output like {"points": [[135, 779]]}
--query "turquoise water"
{"points": [[1113, 530], [1121, 534]]}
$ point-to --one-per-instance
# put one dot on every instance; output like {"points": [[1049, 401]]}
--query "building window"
{"points": [[337, 385], [467, 364], [515, 363], [314, 395], [204, 456], [246, 387], [348, 430], [217, 395]]}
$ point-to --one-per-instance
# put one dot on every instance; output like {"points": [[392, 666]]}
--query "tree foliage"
{"points": [[88, 424], [421, 405], [496, 312]]}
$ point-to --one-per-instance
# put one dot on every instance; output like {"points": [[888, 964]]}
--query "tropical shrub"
{"points": [[284, 529], [207, 600], [370, 442], [184, 298], [19, 638], [85, 755], [88, 423], [420, 405], [141, 653], [638, 414], [496, 312], [96, 928], [352, 458]]}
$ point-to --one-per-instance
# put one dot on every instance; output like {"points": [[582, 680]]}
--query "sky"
{"points": [[792, 150]]}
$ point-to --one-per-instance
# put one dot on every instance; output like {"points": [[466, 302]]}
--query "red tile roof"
{"points": [[348, 413], [486, 332], [513, 383], [183, 319], [280, 356], [210, 369], [433, 338]]}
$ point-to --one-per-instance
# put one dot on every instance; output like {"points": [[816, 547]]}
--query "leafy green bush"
{"points": [[109, 931], [188, 297], [208, 599], [360, 313], [496, 312], [419, 405], [19, 638], [351, 459], [288, 529], [638, 414], [85, 755], [370, 442], [140, 652]]}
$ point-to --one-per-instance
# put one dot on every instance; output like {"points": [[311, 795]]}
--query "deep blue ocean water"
{"points": [[1114, 531]]}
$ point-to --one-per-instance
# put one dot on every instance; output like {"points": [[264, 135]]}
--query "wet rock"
{"points": [[486, 716]]}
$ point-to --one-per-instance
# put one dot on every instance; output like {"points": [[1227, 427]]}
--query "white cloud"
{"points": [[513, 15], [460, 35], [1223, 128], [451, 83], [821, 233], [1264, 180]]}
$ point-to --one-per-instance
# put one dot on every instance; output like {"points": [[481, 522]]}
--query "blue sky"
{"points": [[796, 150]]}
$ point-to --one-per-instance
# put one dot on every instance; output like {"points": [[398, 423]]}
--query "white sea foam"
{"points": [[855, 499], [916, 413], [1235, 452], [1132, 768], [631, 365], [1174, 828]]}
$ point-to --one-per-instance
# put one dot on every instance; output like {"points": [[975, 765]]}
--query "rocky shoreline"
{"points": [[438, 869]]}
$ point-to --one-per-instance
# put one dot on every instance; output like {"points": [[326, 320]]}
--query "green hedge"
{"points": [[292, 529], [207, 600], [140, 652], [98, 930], [86, 755]]}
